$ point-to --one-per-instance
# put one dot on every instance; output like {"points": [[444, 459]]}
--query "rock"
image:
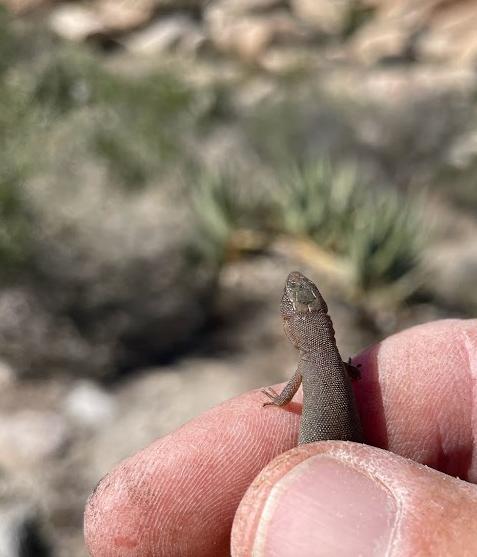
{"points": [[159, 5], [287, 60], [249, 6], [326, 16], [451, 36], [381, 41], [118, 17], [89, 405], [427, 31], [75, 22], [21, 533], [79, 22], [20, 7], [29, 436], [7, 375], [249, 36], [174, 32]]}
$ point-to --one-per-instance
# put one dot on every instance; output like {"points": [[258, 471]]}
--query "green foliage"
{"points": [[223, 206], [7, 40], [387, 241], [141, 125], [319, 200], [15, 226], [376, 231], [20, 127], [136, 126], [66, 80]]}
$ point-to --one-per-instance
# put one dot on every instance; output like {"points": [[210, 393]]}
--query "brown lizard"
{"points": [[329, 408]]}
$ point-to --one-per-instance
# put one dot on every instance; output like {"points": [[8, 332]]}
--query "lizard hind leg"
{"points": [[288, 392]]}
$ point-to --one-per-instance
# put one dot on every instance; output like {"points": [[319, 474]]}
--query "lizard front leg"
{"points": [[286, 395]]}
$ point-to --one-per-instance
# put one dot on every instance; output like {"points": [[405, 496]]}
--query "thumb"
{"points": [[341, 498]]}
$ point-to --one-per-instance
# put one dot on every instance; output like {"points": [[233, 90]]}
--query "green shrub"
{"points": [[387, 241], [141, 125], [319, 200], [224, 206], [376, 231], [15, 226]]}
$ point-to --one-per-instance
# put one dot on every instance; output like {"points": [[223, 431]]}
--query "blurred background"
{"points": [[163, 165]]}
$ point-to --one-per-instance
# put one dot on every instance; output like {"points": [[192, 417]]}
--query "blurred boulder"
{"points": [[78, 22], [7, 374], [248, 6], [380, 42], [326, 16], [451, 35], [123, 16], [89, 405], [75, 22], [30, 436], [168, 33], [20, 7], [249, 35], [433, 31]]}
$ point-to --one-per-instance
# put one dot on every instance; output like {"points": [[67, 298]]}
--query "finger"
{"points": [[347, 499], [417, 395], [178, 496]]}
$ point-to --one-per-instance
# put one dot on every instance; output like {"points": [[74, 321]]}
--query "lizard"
{"points": [[329, 408]]}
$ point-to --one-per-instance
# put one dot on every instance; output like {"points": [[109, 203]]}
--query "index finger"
{"points": [[179, 495]]}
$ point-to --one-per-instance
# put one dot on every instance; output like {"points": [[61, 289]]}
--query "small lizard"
{"points": [[329, 407]]}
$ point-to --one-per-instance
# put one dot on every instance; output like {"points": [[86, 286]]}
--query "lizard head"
{"points": [[301, 295]]}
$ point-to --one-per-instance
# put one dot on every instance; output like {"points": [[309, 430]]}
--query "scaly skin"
{"points": [[329, 408]]}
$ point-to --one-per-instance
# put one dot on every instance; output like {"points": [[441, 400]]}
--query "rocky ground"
{"points": [[115, 328]]}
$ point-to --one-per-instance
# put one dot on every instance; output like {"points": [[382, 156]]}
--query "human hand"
{"points": [[178, 497]]}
